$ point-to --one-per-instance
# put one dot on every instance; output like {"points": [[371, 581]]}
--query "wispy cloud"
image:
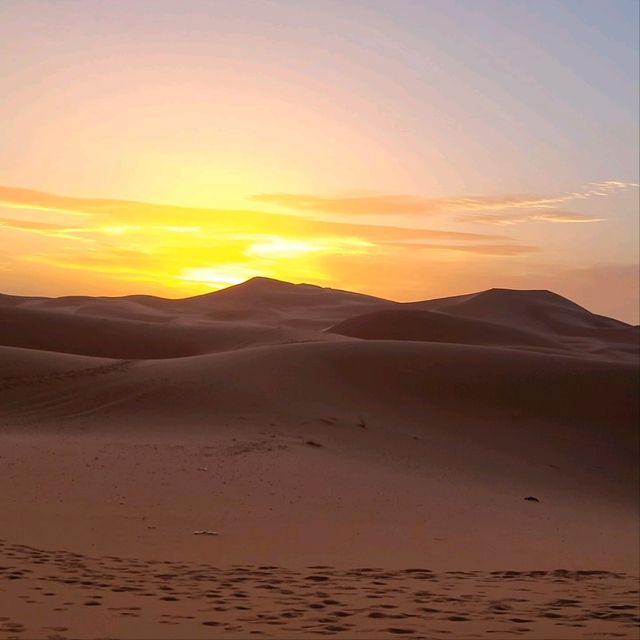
{"points": [[517, 217], [506, 249], [400, 204], [19, 198], [112, 216], [192, 248], [354, 205], [27, 225], [48, 229]]}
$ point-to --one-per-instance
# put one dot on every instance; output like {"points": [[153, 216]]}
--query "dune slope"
{"points": [[429, 326], [408, 439]]}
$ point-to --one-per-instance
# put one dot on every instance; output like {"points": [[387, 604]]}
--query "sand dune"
{"points": [[264, 311], [284, 295], [386, 376], [132, 339], [259, 300], [429, 326], [406, 436], [541, 310]]}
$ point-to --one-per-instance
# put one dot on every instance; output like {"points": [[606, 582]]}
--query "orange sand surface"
{"points": [[363, 464]]}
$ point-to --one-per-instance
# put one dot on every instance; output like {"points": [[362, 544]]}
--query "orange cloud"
{"points": [[191, 250], [27, 225], [48, 229], [123, 214]]}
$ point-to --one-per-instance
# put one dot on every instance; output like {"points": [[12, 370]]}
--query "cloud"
{"points": [[544, 215], [402, 204], [386, 204], [114, 260], [399, 204], [48, 229], [18, 198], [478, 249], [129, 217], [189, 249], [27, 225], [119, 246]]}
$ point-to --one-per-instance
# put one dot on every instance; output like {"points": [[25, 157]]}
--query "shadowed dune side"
{"points": [[399, 374], [335, 452], [118, 338], [546, 314], [542, 311], [429, 326], [269, 292], [272, 302], [409, 381], [258, 301], [629, 335], [26, 365], [265, 311], [134, 307], [527, 405]]}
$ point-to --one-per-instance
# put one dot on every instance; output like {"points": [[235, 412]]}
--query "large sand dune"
{"points": [[429, 326], [541, 310], [307, 427]]}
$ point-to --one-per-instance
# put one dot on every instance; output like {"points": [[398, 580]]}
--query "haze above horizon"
{"points": [[408, 150]]}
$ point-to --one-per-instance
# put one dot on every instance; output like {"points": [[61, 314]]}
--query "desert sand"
{"points": [[291, 461]]}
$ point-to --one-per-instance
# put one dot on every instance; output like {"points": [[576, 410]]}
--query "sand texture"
{"points": [[290, 461]]}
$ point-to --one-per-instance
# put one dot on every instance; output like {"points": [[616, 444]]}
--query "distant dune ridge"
{"points": [[309, 426], [266, 311]]}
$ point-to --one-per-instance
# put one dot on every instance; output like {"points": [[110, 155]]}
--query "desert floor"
{"points": [[359, 467]]}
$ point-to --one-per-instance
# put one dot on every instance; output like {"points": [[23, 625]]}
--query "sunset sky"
{"points": [[405, 148]]}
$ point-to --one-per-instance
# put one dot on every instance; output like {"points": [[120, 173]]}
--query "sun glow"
{"points": [[281, 247], [116, 231], [278, 247], [172, 250], [217, 277]]}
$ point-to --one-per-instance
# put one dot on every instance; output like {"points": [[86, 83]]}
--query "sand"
{"points": [[363, 463]]}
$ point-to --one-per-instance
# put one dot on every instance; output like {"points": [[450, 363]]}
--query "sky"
{"points": [[409, 149]]}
